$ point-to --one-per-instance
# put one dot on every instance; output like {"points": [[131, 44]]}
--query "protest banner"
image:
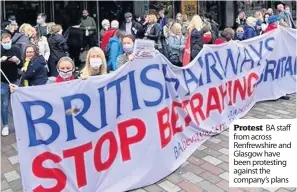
{"points": [[133, 127]]}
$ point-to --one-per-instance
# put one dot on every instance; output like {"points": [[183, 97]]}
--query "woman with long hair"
{"points": [[95, 63], [241, 19], [41, 43], [194, 39], [34, 70], [196, 25], [153, 30]]}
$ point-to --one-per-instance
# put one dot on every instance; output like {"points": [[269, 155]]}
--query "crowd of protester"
{"points": [[36, 55]]}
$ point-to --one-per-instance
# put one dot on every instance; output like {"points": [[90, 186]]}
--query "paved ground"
{"points": [[205, 171]]}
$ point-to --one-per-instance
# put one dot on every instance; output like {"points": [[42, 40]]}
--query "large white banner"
{"points": [[131, 128]]}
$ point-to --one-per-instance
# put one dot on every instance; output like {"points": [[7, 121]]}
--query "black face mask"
{"points": [[84, 17]]}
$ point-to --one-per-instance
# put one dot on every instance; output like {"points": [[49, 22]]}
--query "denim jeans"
{"points": [[4, 102]]}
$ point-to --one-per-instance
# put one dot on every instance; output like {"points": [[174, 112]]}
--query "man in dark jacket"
{"points": [[88, 25], [75, 43], [41, 24], [163, 20], [10, 63], [131, 27]]}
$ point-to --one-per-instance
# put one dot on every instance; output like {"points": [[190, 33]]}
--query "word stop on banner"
{"points": [[263, 153]]}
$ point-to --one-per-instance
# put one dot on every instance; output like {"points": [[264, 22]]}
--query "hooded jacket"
{"points": [[36, 73], [115, 50], [20, 40], [249, 32]]}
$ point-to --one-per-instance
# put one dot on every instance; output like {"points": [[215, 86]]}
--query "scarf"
{"points": [[59, 79], [24, 69]]}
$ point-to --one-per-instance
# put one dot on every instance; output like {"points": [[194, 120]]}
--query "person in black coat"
{"points": [[34, 71], [10, 63], [131, 27], [75, 43], [144, 24], [196, 42], [58, 47], [153, 30]]}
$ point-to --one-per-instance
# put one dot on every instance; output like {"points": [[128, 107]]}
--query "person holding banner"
{"points": [[128, 44], [66, 69], [95, 63], [10, 63]]}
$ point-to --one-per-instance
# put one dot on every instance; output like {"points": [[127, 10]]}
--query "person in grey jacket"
{"points": [[176, 44], [285, 15], [128, 44], [88, 25]]}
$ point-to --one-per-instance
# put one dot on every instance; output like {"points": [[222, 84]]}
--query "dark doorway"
{"points": [[25, 11]]}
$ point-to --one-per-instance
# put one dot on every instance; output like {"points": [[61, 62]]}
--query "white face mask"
{"points": [[96, 63], [65, 74]]}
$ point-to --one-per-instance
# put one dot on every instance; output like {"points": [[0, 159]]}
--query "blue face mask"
{"points": [[266, 20], [6, 46], [239, 35]]}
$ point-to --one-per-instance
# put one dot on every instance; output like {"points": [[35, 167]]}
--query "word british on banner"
{"points": [[131, 128]]}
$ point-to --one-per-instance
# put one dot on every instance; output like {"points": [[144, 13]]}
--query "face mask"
{"points": [[240, 35], [38, 21], [95, 63], [266, 20], [138, 19], [178, 18], [287, 11], [6, 46], [65, 74], [84, 16], [128, 48]]}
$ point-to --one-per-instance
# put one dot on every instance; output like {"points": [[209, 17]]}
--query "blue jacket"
{"points": [[115, 50], [163, 21], [36, 73], [249, 32]]}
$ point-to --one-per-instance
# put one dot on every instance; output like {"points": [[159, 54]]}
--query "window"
{"points": [[156, 5], [250, 7]]}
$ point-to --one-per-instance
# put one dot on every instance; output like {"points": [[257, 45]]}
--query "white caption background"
{"points": [[263, 167]]}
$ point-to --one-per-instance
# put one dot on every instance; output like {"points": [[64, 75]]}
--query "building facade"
{"points": [[68, 13]]}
